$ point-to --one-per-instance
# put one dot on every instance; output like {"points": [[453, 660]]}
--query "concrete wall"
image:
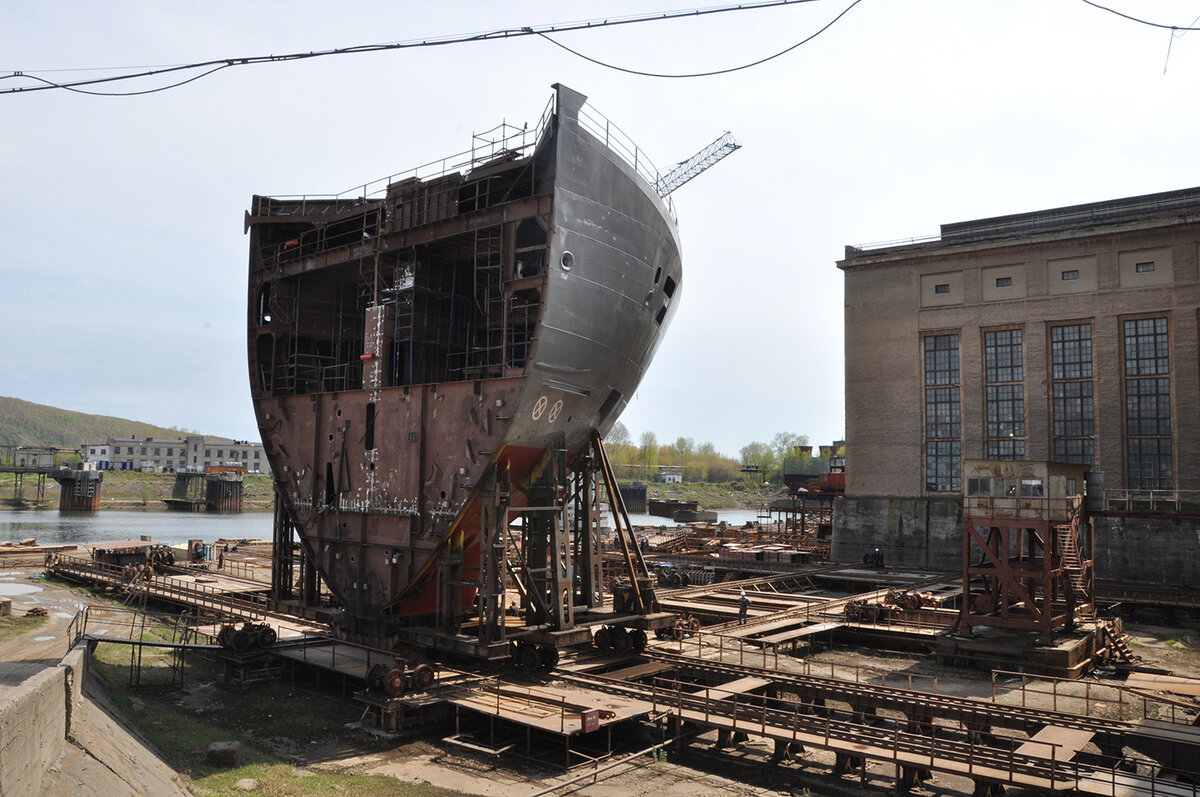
{"points": [[923, 533], [35, 719], [1159, 551], [926, 533]]}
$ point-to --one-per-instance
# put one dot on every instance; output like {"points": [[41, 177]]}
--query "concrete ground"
{"points": [[107, 757]]}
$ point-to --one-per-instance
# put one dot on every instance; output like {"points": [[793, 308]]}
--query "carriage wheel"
{"points": [[548, 656], [603, 638], [528, 657], [680, 630], [423, 677], [266, 636], [393, 683], [375, 677], [621, 640], [639, 639], [241, 641]]}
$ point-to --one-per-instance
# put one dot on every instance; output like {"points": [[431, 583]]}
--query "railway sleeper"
{"points": [[912, 777], [848, 764], [987, 788]]}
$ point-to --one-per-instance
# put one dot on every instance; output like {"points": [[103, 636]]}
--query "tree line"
{"points": [[701, 462]]}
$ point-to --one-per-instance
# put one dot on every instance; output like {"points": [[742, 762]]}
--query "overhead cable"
{"points": [[713, 72], [1139, 20], [219, 64]]}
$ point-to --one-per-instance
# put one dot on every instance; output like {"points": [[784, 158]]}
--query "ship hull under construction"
{"points": [[408, 345]]}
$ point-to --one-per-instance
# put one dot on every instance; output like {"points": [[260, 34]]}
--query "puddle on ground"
{"points": [[64, 615], [44, 638], [9, 590]]}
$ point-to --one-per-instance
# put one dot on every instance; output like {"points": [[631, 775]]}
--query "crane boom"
{"points": [[725, 145]]}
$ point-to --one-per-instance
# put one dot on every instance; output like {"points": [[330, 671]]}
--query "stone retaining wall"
{"points": [[926, 533], [36, 717]]}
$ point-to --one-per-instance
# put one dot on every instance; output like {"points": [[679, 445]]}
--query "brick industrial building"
{"points": [[1067, 334]]}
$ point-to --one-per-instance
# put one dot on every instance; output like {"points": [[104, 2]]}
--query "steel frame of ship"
{"points": [[413, 351]]}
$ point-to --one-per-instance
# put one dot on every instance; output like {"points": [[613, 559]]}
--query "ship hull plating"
{"points": [[404, 348]]}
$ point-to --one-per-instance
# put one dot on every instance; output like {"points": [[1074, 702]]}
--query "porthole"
{"points": [[567, 261]]}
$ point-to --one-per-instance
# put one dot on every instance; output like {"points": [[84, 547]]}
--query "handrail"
{"points": [[511, 139], [1144, 698]]}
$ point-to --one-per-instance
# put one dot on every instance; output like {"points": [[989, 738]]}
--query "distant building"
{"points": [[40, 456], [670, 475], [193, 453], [96, 453], [1065, 335]]}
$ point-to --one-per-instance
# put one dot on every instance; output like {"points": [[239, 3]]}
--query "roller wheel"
{"points": [[242, 641], [266, 636], [423, 677], [394, 683], [684, 581], [639, 639], [225, 636], [680, 630], [548, 656], [694, 626], [529, 658], [603, 638], [621, 640], [375, 677]]}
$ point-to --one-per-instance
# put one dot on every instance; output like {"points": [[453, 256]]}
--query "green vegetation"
{"points": [[274, 722], [15, 626], [23, 423], [726, 495], [786, 453]]}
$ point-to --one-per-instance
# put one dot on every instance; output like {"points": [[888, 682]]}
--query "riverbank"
{"points": [[138, 492], [720, 495]]}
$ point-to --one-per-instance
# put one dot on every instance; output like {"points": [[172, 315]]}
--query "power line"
{"points": [[715, 71], [1141, 21], [216, 65]]}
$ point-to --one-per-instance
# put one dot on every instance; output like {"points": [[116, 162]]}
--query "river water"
{"points": [[50, 527]]}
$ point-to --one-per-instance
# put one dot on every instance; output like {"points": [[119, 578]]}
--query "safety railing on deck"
{"points": [[1129, 702], [1008, 760], [621, 145], [1164, 501], [187, 592], [487, 146]]}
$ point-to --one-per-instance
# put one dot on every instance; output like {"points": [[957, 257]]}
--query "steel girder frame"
{"points": [[1025, 584]]}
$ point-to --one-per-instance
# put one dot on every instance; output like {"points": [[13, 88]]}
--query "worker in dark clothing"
{"points": [[743, 607]]}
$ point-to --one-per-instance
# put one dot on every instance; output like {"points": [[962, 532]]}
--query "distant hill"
{"points": [[24, 423]]}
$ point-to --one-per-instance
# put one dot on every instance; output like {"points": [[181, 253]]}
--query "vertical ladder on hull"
{"points": [[488, 339]]}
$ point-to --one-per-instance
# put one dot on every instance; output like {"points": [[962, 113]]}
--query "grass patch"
{"points": [[15, 626], [276, 724], [284, 780]]}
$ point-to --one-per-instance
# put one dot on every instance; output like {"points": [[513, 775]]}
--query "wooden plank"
{"points": [[1167, 731], [739, 687], [796, 633], [1177, 684], [639, 671], [1064, 742]]}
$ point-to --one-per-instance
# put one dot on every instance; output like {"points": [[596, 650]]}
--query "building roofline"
{"points": [[1165, 206]]}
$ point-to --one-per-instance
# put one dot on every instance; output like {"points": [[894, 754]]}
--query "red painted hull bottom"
{"points": [[420, 599]]}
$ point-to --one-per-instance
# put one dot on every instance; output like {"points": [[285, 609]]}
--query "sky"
{"points": [[123, 262]]}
